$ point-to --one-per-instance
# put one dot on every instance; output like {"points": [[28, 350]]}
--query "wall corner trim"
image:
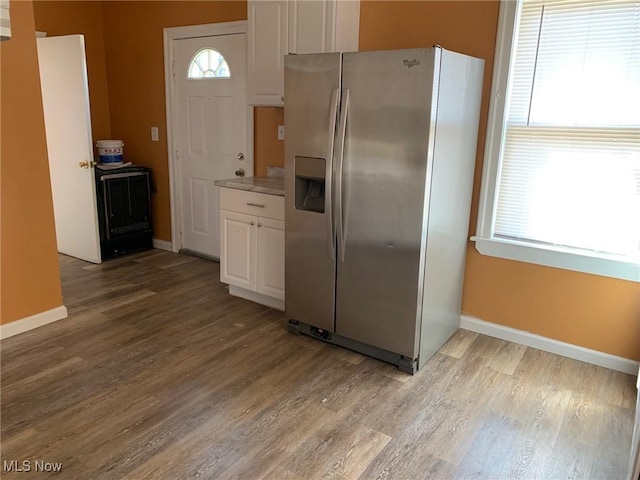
{"points": [[34, 321], [550, 345], [162, 244]]}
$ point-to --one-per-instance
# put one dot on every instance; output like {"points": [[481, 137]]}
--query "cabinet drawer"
{"points": [[251, 203]]}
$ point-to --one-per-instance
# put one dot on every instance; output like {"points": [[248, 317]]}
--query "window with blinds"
{"points": [[569, 171]]}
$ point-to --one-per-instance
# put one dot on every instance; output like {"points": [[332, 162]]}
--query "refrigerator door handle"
{"points": [[333, 115], [342, 130]]}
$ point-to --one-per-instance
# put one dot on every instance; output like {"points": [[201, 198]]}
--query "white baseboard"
{"points": [[162, 245], [550, 345], [256, 297], [34, 321]]}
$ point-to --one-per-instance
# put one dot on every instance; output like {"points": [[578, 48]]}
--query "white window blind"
{"points": [[570, 160]]}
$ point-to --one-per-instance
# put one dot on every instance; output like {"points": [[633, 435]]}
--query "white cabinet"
{"points": [[267, 39], [238, 252], [295, 26], [252, 245], [318, 26], [270, 258]]}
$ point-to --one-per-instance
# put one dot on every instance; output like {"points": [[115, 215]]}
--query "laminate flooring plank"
{"points": [[492, 450], [570, 459], [532, 378], [51, 374], [406, 400], [17, 363], [540, 432], [507, 358], [112, 299], [458, 344], [405, 455], [202, 450], [618, 388], [610, 461], [277, 472], [13, 447], [354, 449], [262, 450], [452, 439], [356, 389]]}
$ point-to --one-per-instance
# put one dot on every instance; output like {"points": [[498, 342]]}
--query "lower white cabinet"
{"points": [[252, 246], [238, 253]]}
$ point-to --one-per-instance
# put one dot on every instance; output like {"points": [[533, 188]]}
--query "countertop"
{"points": [[268, 185]]}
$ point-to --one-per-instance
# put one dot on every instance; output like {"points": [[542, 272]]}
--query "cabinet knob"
{"points": [[253, 223], [259, 224]]}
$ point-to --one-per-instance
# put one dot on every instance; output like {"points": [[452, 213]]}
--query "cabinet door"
{"points": [[267, 48], [321, 26], [238, 249], [271, 258], [312, 26]]}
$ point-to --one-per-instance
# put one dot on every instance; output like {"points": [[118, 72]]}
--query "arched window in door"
{"points": [[208, 63]]}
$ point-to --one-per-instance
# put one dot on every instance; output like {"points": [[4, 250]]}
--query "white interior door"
{"points": [[65, 98], [210, 109]]}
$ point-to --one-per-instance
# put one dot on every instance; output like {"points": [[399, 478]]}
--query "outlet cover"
{"points": [[280, 132], [154, 134]]}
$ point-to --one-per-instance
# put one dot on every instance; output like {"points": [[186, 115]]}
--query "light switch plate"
{"points": [[280, 132], [154, 134]]}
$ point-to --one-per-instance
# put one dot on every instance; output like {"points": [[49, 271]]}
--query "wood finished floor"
{"points": [[159, 374]]}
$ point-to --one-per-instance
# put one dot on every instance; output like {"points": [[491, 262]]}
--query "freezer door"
{"points": [[312, 84], [384, 173]]}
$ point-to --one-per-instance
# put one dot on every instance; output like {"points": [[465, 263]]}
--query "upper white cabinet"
{"points": [[295, 26], [317, 26], [267, 47]]}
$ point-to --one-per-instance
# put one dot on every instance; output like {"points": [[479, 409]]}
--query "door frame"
{"points": [[170, 35]]}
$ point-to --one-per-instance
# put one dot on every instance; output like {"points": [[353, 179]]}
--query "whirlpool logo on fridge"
{"points": [[411, 63]]}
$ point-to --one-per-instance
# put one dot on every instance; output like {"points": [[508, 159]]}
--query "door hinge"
{"points": [[173, 71]]}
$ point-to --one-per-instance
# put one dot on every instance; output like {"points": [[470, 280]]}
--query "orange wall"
{"points": [[135, 61], [587, 310], [67, 18], [268, 151], [29, 275]]}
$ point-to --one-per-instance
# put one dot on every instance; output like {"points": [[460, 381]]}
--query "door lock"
{"points": [[241, 156], [240, 172]]}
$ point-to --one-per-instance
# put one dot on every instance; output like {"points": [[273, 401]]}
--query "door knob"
{"points": [[86, 164], [241, 156], [240, 172]]}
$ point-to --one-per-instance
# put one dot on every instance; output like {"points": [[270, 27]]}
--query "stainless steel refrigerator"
{"points": [[379, 158]]}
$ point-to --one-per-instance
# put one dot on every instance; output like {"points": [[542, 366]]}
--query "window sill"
{"points": [[558, 257]]}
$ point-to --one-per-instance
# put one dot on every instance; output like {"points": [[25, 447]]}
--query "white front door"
{"points": [[67, 118], [209, 75]]}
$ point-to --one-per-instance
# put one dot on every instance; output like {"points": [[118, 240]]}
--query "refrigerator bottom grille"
{"points": [[403, 363]]}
